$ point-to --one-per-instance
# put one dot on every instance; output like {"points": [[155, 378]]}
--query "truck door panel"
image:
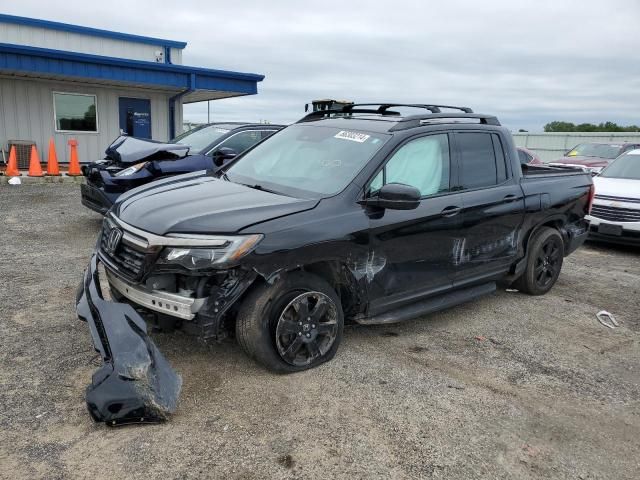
{"points": [[493, 208], [411, 250]]}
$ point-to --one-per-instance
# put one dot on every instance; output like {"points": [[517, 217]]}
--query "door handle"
{"points": [[450, 211], [510, 198]]}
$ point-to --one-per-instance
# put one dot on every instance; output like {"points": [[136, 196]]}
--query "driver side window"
{"points": [[422, 163]]}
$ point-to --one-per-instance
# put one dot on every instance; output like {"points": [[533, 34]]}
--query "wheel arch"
{"points": [[556, 222], [351, 293]]}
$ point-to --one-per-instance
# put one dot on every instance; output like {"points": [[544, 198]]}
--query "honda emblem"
{"points": [[115, 235]]}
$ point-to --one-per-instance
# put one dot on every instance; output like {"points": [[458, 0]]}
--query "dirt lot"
{"points": [[510, 386]]}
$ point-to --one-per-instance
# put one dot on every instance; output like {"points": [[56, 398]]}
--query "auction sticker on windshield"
{"points": [[353, 136]]}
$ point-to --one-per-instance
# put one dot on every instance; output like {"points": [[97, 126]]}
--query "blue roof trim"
{"points": [[56, 62], [125, 62], [95, 32]]}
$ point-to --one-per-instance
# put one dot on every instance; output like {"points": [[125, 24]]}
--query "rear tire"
{"points": [[544, 262], [293, 325]]}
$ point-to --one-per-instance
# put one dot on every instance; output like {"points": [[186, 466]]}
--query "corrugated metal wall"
{"points": [[77, 42], [551, 146], [26, 113]]}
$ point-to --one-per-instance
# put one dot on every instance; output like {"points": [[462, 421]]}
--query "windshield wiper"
{"points": [[260, 187]]}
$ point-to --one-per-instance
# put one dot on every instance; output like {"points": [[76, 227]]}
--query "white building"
{"points": [[67, 82]]}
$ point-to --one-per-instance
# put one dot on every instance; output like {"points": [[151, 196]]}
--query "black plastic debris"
{"points": [[136, 384]]}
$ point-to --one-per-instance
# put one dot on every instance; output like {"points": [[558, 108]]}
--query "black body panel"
{"points": [[205, 204], [136, 384]]}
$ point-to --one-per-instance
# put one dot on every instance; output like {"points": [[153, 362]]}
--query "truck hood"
{"points": [[203, 204], [125, 150], [584, 161], [617, 187]]}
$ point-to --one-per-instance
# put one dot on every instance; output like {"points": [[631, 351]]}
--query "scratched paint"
{"points": [[462, 254], [369, 266]]}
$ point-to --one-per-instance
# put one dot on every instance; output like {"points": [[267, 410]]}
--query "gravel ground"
{"points": [[510, 386]]}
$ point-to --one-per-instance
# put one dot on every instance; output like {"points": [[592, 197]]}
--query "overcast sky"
{"points": [[528, 62]]}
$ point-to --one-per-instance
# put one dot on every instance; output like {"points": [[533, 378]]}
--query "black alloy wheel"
{"points": [[292, 324], [545, 254], [548, 262], [306, 328]]}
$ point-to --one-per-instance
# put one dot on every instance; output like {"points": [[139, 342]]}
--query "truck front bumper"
{"points": [[622, 233], [135, 384]]}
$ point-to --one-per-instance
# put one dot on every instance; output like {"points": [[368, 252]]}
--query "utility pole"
{"points": [[208, 111]]}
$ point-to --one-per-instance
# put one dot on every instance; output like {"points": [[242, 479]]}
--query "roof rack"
{"points": [[409, 121], [413, 121], [383, 107]]}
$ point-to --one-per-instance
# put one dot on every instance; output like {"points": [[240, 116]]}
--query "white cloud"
{"points": [[527, 62]]}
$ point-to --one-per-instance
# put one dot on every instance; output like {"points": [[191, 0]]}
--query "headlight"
{"points": [[230, 249], [130, 170]]}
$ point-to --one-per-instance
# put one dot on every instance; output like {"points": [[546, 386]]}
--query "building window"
{"points": [[75, 112]]}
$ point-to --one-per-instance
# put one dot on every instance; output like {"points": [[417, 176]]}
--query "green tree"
{"points": [[586, 127], [557, 126]]}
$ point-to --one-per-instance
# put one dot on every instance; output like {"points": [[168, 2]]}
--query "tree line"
{"points": [[558, 126]]}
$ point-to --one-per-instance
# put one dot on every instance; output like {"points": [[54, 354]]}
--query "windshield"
{"points": [[602, 150], [627, 166], [307, 161], [200, 138]]}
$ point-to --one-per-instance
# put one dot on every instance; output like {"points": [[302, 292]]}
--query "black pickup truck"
{"points": [[361, 214]]}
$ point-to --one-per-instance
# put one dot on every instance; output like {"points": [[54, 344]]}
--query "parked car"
{"points": [[527, 157], [131, 162], [615, 214], [593, 157], [371, 218]]}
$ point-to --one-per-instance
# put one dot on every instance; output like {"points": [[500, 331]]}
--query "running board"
{"points": [[430, 305]]}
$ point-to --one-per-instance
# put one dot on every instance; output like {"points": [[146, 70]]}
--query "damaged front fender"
{"points": [[135, 384]]}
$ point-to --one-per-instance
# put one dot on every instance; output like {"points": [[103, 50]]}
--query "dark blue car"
{"points": [[131, 162]]}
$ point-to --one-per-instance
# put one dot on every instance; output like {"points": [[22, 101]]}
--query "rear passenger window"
{"points": [[482, 162]]}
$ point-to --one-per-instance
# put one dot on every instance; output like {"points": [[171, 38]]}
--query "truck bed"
{"points": [[538, 170]]}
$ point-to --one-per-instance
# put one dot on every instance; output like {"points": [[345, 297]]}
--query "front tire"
{"points": [[544, 262], [293, 325]]}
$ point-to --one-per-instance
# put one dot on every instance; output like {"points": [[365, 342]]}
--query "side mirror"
{"points": [[395, 196], [223, 154]]}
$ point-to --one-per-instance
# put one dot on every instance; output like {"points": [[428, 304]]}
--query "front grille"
{"points": [[617, 199], [615, 214], [128, 259]]}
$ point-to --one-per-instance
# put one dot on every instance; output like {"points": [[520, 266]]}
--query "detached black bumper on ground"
{"points": [[136, 384]]}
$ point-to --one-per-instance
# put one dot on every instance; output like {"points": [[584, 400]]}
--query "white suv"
{"points": [[615, 214]]}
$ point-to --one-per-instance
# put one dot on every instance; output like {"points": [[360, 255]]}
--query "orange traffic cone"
{"points": [[35, 170], [74, 164], [12, 166], [52, 162]]}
